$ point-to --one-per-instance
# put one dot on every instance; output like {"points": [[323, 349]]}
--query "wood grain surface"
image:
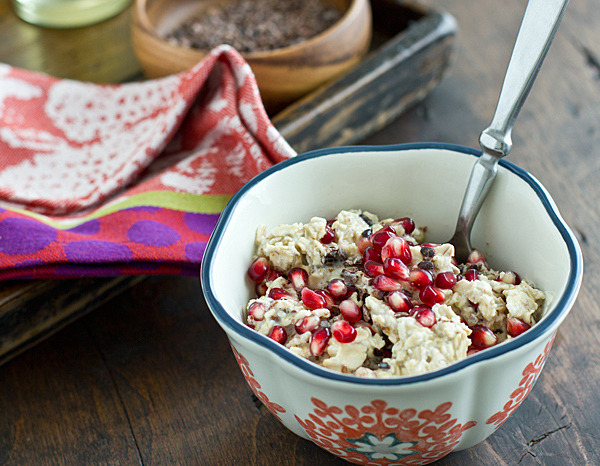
{"points": [[149, 378]]}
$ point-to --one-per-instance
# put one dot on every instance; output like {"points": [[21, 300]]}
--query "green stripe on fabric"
{"points": [[195, 203]]}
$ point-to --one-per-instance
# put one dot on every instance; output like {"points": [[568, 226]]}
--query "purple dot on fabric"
{"points": [[195, 251], [97, 251], [88, 228], [24, 236], [201, 223], [151, 233]]}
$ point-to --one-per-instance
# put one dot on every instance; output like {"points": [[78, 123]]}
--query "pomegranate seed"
{"points": [[298, 277], [279, 293], [259, 269], [516, 326], [482, 337], [430, 295], [319, 340], [445, 280], [472, 350], [426, 317], [395, 268], [326, 295], [329, 235], [475, 257], [371, 254], [307, 324], [418, 308], [261, 289], [407, 223], [471, 275], [311, 299], [343, 332], [510, 277], [399, 302], [272, 275], [337, 288], [397, 247], [420, 278], [430, 245], [373, 269], [350, 311], [384, 283], [364, 243], [278, 334], [257, 310], [381, 237]]}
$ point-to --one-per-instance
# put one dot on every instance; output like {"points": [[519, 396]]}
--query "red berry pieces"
{"points": [[338, 289], [279, 293], [420, 278], [431, 295], [329, 300], [510, 277], [278, 334], [329, 236], [515, 326], [426, 317], [381, 237], [298, 277], [256, 310], [343, 332], [398, 248], [350, 311], [395, 268], [259, 269], [307, 324], [399, 302], [471, 275], [482, 337], [319, 340], [445, 280], [384, 283], [476, 257], [372, 268], [312, 300]]}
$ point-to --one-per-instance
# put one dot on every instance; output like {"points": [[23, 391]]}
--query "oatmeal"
{"points": [[368, 297]]}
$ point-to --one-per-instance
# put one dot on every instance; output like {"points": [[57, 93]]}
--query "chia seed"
{"points": [[256, 25], [427, 252]]}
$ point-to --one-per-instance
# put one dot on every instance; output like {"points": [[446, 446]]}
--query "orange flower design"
{"points": [[530, 375], [255, 386], [377, 434]]}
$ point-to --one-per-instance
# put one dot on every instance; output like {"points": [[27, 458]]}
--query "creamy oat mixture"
{"points": [[366, 296]]}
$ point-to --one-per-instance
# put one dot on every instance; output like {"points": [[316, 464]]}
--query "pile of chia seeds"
{"points": [[256, 25]]}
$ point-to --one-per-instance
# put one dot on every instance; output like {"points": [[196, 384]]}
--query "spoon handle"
{"points": [[539, 25]]}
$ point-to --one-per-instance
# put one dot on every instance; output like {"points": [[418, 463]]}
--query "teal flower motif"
{"points": [[389, 447]]}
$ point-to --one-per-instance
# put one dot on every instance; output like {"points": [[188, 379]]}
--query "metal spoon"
{"points": [[539, 25]]}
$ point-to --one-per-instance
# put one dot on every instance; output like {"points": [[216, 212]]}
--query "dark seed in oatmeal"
{"points": [[256, 25]]}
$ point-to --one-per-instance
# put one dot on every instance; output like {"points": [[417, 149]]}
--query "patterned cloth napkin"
{"points": [[104, 180]]}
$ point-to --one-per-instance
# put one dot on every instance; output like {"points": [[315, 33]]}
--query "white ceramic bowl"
{"points": [[416, 419]]}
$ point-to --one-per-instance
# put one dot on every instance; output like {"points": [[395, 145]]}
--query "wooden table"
{"points": [[149, 378]]}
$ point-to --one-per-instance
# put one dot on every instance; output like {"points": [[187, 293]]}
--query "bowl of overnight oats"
{"points": [[353, 322]]}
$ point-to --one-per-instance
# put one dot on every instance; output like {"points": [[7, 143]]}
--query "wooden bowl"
{"points": [[283, 74]]}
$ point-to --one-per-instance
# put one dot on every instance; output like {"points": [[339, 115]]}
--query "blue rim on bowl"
{"points": [[556, 315]]}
